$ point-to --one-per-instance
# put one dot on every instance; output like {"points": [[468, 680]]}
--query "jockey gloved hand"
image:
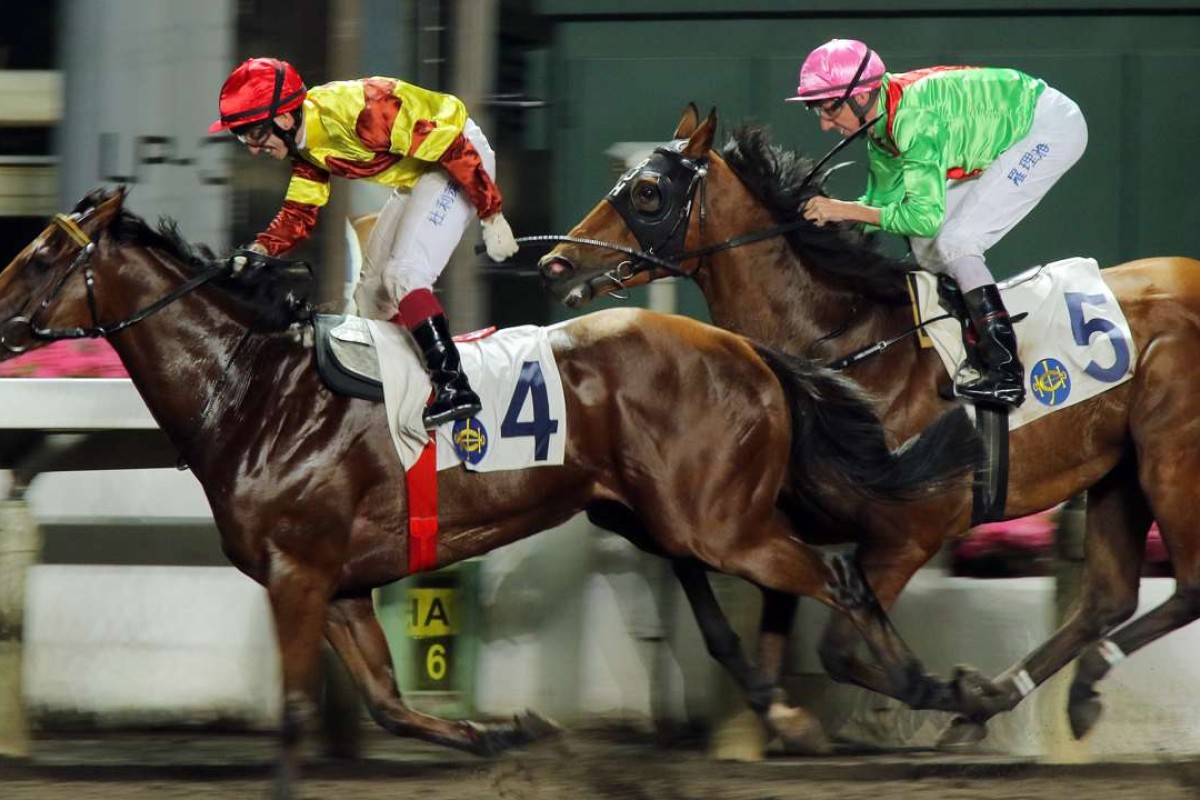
{"points": [[498, 237], [239, 262]]}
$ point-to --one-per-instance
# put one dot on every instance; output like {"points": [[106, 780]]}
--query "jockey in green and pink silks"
{"points": [[958, 156]]}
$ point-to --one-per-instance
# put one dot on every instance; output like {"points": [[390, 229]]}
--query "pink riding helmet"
{"points": [[829, 71]]}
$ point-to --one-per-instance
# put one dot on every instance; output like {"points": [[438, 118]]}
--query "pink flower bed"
{"points": [[1034, 535], [1156, 550], [74, 358]]}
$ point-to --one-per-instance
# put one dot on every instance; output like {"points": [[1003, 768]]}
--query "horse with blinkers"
{"points": [[767, 273]]}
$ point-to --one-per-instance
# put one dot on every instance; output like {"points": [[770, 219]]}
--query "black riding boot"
{"points": [[452, 395], [1003, 378]]}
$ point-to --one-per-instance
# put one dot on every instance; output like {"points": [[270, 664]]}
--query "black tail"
{"points": [[838, 443]]}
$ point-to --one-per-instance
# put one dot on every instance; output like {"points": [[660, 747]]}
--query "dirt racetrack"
{"points": [[580, 766]]}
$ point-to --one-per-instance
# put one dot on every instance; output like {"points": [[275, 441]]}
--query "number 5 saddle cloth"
{"points": [[523, 422], [1075, 342]]}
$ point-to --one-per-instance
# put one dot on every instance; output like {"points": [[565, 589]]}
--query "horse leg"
{"points": [[837, 647], [798, 728], [887, 571], [774, 630], [298, 594], [355, 634], [1174, 512], [1116, 524], [800, 731], [784, 564]]}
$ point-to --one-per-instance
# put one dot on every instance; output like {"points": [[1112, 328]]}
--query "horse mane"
{"points": [[276, 298], [840, 251]]}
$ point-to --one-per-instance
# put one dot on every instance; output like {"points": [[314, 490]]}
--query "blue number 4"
{"points": [[1084, 329], [541, 426]]}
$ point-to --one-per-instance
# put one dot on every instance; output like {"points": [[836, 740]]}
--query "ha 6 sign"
{"points": [[431, 627]]}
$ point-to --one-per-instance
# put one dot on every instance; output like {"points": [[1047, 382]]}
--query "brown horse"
{"points": [[709, 445], [730, 221], [800, 731]]}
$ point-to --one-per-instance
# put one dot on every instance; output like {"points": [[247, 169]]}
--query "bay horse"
{"points": [[730, 220], [715, 447]]}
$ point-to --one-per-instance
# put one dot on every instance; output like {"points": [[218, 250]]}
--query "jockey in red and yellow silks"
{"points": [[420, 143], [958, 156], [380, 130]]}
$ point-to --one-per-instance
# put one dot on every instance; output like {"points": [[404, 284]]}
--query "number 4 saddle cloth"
{"points": [[523, 422], [1074, 343]]}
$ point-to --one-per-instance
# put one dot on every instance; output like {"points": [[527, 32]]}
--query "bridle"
{"points": [[82, 264], [661, 237]]}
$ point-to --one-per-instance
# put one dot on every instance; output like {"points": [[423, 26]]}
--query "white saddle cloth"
{"points": [[1075, 343], [523, 422]]}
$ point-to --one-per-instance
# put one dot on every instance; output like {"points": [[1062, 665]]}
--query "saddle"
{"points": [[346, 360]]}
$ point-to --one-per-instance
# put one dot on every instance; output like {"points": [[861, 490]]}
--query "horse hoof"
{"points": [[962, 733], [798, 729], [1083, 709], [976, 696], [527, 728], [535, 728]]}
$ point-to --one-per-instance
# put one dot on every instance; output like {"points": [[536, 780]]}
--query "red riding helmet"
{"points": [[259, 89]]}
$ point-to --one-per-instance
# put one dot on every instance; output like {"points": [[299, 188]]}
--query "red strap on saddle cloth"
{"points": [[421, 482], [475, 336]]}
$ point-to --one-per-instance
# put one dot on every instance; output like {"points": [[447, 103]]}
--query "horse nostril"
{"points": [[555, 267]]}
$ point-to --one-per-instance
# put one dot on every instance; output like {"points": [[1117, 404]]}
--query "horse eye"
{"points": [[40, 259], [646, 196]]}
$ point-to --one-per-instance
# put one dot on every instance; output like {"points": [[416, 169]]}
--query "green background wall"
{"points": [[619, 71]]}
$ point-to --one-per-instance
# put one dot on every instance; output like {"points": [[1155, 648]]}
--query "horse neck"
{"points": [[764, 292], [177, 356]]}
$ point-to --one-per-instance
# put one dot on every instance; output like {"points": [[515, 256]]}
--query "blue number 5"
{"points": [[1084, 329], [541, 426]]}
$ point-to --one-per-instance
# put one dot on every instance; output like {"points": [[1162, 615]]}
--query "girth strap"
{"points": [[990, 490]]}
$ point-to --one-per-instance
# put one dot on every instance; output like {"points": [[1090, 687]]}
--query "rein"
{"points": [[97, 330], [850, 359]]}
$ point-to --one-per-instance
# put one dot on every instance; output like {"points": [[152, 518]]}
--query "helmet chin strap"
{"points": [[861, 110], [288, 137]]}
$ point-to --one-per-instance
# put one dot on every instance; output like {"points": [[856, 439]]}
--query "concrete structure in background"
{"points": [[140, 78], [28, 181]]}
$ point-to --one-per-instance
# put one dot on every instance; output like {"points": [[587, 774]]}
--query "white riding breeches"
{"points": [[415, 234], [981, 210]]}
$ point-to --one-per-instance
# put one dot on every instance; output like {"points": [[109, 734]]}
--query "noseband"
{"points": [[27, 324]]}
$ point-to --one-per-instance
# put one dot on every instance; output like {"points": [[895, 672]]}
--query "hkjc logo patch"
{"points": [[470, 439], [1050, 382]]}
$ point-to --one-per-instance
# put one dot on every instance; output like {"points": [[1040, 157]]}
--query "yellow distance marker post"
{"points": [[430, 621]]}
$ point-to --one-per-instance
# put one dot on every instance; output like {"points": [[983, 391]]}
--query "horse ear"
{"points": [[106, 208], [687, 123], [700, 142]]}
